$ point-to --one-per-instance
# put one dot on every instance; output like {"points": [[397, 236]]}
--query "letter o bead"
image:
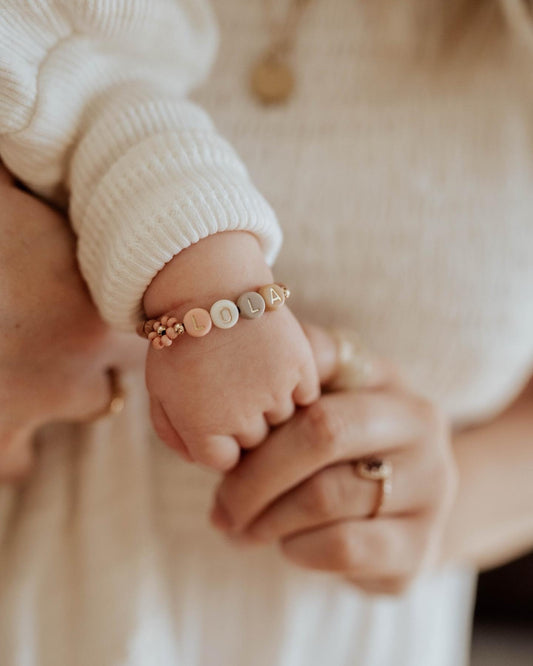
{"points": [[274, 296], [224, 314], [251, 304], [197, 322]]}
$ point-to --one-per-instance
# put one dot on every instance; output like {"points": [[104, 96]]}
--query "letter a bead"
{"points": [[197, 322], [274, 296], [251, 304], [224, 314]]}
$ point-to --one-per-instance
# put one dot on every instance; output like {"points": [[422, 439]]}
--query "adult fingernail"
{"points": [[220, 518]]}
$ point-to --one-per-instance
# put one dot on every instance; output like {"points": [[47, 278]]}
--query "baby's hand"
{"points": [[213, 395]]}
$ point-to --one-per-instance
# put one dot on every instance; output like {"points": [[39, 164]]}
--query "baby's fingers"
{"points": [[216, 451], [220, 452], [281, 413], [255, 433], [307, 390], [166, 431]]}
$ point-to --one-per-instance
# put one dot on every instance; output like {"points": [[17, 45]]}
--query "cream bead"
{"points": [[224, 314]]}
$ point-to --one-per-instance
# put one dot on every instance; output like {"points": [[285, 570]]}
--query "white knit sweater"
{"points": [[405, 194], [93, 109]]}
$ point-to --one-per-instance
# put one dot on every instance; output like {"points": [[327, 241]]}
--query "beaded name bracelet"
{"points": [[223, 314]]}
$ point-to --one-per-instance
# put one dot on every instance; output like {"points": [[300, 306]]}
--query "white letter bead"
{"points": [[224, 314]]}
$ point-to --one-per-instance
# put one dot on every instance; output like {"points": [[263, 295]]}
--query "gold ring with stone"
{"points": [[376, 469]]}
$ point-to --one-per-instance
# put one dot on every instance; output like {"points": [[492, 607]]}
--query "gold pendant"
{"points": [[271, 80]]}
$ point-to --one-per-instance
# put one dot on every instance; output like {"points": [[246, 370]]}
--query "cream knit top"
{"points": [[405, 194]]}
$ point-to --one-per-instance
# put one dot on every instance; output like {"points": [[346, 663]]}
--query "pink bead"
{"points": [[166, 340], [152, 335], [157, 343], [197, 322], [156, 324], [164, 320], [171, 333], [148, 326], [172, 321]]}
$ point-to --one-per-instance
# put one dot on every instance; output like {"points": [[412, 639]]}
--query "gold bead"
{"points": [[286, 290]]}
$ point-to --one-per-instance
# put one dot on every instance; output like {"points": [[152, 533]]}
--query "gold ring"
{"points": [[376, 469], [117, 397]]}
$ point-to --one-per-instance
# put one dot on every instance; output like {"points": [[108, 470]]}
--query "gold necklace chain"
{"points": [[272, 78]]}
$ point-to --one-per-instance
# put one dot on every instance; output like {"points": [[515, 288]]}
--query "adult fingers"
{"points": [[339, 427], [366, 549], [364, 372], [338, 493], [343, 364]]}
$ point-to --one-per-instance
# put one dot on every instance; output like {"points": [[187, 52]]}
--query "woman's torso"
{"points": [[404, 188]]}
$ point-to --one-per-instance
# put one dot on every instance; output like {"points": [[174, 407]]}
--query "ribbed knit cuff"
{"points": [[155, 198]]}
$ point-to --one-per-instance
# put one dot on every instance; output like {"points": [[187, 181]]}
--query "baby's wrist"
{"points": [[223, 313], [227, 262]]}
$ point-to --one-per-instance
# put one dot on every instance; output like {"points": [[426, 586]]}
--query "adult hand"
{"points": [[54, 348], [300, 487]]}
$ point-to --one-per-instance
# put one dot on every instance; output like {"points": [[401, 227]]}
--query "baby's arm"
{"points": [[214, 394], [93, 113]]}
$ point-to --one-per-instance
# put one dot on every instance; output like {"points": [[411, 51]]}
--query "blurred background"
{"points": [[503, 625]]}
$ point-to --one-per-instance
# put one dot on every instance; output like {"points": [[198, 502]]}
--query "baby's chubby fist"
{"points": [[213, 395]]}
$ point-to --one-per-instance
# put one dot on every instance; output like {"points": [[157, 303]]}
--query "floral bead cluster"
{"points": [[162, 332]]}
